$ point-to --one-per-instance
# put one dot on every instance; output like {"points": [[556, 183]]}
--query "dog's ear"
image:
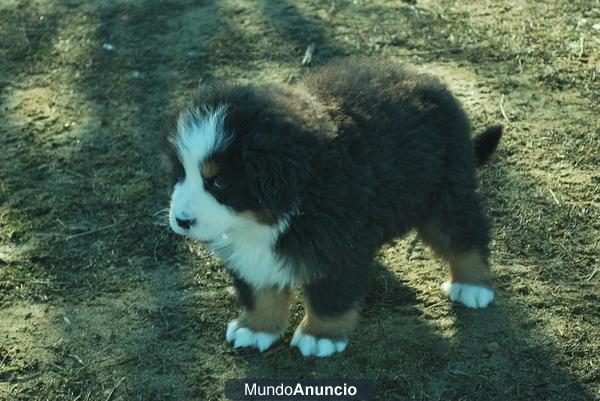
{"points": [[277, 171]]}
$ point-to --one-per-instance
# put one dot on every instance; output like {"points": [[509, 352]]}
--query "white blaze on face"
{"points": [[199, 135], [246, 245]]}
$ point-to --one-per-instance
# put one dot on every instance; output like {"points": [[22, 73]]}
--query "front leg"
{"points": [[331, 313], [264, 317]]}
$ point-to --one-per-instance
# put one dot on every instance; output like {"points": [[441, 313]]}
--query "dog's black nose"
{"points": [[185, 222]]}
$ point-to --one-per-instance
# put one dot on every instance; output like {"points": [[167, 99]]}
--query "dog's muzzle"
{"points": [[185, 222]]}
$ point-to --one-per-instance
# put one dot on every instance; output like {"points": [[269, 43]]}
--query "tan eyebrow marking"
{"points": [[210, 169]]}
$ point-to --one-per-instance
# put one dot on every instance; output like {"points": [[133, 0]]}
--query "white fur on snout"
{"points": [[313, 346], [472, 296], [244, 337], [211, 218], [199, 135]]}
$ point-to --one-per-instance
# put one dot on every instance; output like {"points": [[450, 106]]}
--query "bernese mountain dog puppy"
{"points": [[298, 186]]}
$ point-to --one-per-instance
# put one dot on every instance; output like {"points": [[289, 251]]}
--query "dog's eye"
{"points": [[216, 183]]}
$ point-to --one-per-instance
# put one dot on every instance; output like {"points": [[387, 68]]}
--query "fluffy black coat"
{"points": [[358, 154]]}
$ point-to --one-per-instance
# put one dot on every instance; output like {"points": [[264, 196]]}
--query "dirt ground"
{"points": [[99, 301]]}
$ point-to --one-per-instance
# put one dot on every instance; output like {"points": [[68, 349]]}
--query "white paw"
{"points": [[310, 345], [244, 337], [472, 296]]}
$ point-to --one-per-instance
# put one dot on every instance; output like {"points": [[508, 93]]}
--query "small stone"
{"points": [[137, 75], [492, 347]]}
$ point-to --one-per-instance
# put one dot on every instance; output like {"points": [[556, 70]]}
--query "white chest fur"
{"points": [[249, 251]]}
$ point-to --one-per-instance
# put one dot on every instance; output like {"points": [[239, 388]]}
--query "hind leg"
{"points": [[461, 237], [470, 280]]}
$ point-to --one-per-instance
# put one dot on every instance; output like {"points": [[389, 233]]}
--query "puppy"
{"points": [[299, 186]]}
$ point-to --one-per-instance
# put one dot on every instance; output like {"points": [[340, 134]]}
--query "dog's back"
{"points": [[403, 130]]}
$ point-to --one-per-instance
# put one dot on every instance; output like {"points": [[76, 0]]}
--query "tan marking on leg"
{"points": [[466, 267], [470, 268], [438, 241], [331, 327], [270, 313], [210, 169]]}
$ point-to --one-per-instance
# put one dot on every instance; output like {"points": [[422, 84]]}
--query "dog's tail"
{"points": [[485, 144]]}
